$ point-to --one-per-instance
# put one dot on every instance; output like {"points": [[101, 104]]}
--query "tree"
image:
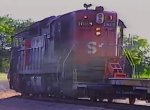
{"points": [[139, 49], [9, 27], [6, 30]]}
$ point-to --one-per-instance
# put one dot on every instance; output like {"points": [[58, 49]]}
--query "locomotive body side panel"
{"points": [[70, 48], [33, 47], [63, 47], [27, 75]]}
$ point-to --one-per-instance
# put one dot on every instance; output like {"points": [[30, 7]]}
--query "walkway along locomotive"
{"points": [[77, 54]]}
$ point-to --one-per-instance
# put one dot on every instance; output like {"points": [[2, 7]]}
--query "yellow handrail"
{"points": [[128, 55]]}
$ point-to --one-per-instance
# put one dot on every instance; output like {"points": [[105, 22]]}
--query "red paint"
{"points": [[86, 38], [27, 45]]}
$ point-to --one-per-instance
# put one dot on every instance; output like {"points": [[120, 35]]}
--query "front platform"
{"points": [[137, 83]]}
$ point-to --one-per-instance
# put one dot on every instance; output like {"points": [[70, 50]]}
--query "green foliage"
{"points": [[139, 49], [9, 27], [3, 76], [145, 74], [22, 25], [4, 64], [6, 30]]}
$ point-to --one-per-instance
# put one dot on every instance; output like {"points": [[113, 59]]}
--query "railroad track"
{"points": [[85, 102]]}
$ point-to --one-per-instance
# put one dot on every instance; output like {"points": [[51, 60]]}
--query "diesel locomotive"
{"points": [[78, 54]]}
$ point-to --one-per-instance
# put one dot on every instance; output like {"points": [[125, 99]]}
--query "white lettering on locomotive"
{"points": [[92, 47]]}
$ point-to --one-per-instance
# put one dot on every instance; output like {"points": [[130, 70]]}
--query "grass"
{"points": [[3, 76], [142, 76]]}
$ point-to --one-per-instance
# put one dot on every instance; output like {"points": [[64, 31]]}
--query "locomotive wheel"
{"points": [[131, 100], [93, 95], [25, 95], [100, 99], [147, 101], [93, 99], [45, 95], [35, 95], [110, 99]]}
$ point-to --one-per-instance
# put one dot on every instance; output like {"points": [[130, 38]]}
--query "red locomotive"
{"points": [[77, 54]]}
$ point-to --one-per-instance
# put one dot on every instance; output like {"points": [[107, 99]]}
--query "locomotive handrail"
{"points": [[128, 55], [66, 60]]}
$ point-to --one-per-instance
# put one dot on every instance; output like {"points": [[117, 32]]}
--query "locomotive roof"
{"points": [[83, 10], [40, 23], [45, 21]]}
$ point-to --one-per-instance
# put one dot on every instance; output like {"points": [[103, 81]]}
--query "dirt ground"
{"points": [[5, 92], [10, 101], [15, 103]]}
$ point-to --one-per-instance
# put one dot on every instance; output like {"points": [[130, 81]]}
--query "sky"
{"points": [[134, 13]]}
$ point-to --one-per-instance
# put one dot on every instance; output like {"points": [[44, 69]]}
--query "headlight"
{"points": [[100, 18]]}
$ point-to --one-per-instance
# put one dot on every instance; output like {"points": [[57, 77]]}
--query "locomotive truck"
{"points": [[77, 54]]}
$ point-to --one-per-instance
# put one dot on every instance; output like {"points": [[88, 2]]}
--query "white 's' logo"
{"points": [[92, 47]]}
